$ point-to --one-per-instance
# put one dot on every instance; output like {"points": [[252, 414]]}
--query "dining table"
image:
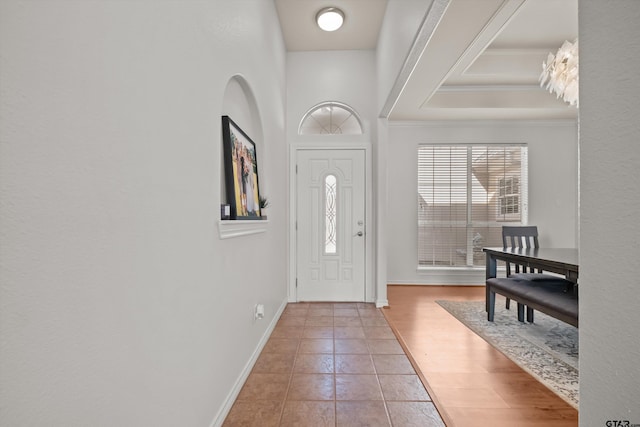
{"points": [[562, 261]]}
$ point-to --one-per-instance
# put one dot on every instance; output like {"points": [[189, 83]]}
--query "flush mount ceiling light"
{"points": [[330, 18]]}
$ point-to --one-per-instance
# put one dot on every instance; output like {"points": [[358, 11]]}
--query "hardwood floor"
{"points": [[470, 382]]}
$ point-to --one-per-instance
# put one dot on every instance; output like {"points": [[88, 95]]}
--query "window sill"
{"points": [[427, 269], [229, 229]]}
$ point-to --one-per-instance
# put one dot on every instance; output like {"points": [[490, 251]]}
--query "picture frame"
{"points": [[240, 172]]}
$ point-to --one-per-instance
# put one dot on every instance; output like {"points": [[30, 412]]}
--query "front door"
{"points": [[330, 239]]}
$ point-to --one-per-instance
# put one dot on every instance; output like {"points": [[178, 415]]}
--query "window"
{"points": [[465, 194], [509, 196], [330, 118], [330, 214]]}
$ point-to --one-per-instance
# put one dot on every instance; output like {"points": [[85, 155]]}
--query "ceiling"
{"points": [[471, 59]]}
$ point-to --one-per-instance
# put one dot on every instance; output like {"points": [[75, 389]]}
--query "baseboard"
{"points": [[382, 303], [235, 390], [418, 283], [441, 276]]}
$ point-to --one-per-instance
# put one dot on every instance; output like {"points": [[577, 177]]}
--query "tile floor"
{"points": [[333, 364]]}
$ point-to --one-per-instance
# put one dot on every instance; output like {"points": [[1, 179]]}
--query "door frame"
{"points": [[369, 282]]}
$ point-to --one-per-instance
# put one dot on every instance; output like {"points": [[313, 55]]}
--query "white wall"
{"points": [[553, 187], [318, 76], [609, 206], [119, 303], [344, 76]]}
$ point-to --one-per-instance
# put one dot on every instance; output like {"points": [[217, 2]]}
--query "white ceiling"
{"points": [[362, 22], [481, 60]]}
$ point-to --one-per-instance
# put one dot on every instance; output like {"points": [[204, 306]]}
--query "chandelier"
{"points": [[560, 73]]}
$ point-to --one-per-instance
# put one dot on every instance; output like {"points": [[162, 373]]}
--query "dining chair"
{"points": [[522, 237]]}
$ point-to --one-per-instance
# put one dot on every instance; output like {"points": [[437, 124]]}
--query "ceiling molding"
{"points": [[489, 88], [488, 34], [426, 31], [488, 47], [490, 123], [462, 23]]}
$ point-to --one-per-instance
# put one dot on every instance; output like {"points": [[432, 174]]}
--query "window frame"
{"points": [[473, 200], [333, 128]]}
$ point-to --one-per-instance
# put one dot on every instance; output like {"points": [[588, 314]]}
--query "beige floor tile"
{"points": [[296, 310], [318, 332], [319, 321], [322, 305], [274, 363], [345, 305], [281, 345], [403, 387], [354, 364], [320, 311], [283, 331], [315, 345], [362, 413], [309, 414], [391, 346], [371, 312], [392, 364], [414, 414], [260, 413], [351, 346], [344, 332], [297, 321], [378, 332], [265, 387], [314, 364], [347, 321], [357, 387], [345, 312], [373, 321], [311, 387]]}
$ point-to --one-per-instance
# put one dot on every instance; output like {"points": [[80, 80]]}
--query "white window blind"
{"points": [[466, 193]]}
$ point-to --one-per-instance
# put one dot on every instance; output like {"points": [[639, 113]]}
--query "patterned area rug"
{"points": [[547, 348]]}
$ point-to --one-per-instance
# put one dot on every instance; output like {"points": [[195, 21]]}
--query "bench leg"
{"points": [[507, 305], [529, 314], [520, 312], [491, 304]]}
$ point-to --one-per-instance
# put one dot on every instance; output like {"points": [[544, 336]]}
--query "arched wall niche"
{"points": [[240, 105]]}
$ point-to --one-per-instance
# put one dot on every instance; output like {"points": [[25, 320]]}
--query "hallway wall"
{"points": [[347, 77], [609, 226], [318, 76], [120, 304]]}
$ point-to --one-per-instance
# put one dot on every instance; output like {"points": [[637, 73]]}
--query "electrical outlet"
{"points": [[258, 312]]}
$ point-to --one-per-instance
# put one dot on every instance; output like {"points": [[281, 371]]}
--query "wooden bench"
{"points": [[549, 298]]}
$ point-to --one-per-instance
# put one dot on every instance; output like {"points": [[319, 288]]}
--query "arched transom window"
{"points": [[330, 118]]}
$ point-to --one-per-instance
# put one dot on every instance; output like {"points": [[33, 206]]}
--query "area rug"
{"points": [[547, 348]]}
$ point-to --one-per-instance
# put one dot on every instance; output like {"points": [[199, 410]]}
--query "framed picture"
{"points": [[240, 172]]}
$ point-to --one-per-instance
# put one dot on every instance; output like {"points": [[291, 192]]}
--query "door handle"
{"points": [[359, 234]]}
